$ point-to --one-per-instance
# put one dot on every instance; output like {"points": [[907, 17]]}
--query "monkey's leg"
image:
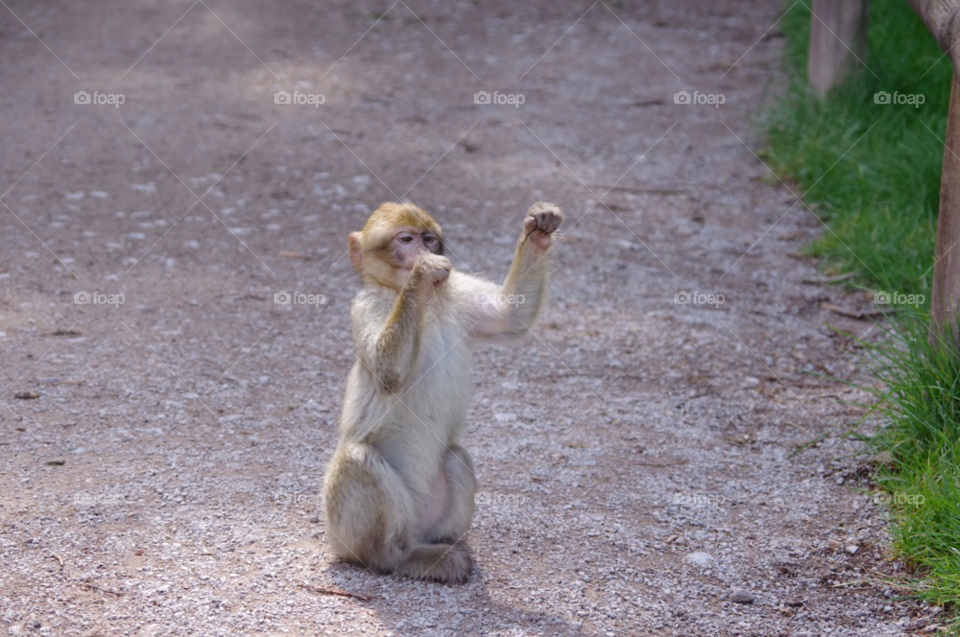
{"points": [[369, 509], [370, 516], [443, 555], [460, 487]]}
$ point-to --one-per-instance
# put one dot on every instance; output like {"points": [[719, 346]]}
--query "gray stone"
{"points": [[742, 597], [699, 558]]}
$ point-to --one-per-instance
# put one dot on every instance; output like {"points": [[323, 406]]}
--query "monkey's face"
{"points": [[386, 250], [399, 253], [407, 244]]}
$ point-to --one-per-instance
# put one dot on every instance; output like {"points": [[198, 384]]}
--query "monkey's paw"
{"points": [[543, 219], [456, 565], [450, 563], [433, 269]]}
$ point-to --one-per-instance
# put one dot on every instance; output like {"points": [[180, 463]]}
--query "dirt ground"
{"points": [[634, 456]]}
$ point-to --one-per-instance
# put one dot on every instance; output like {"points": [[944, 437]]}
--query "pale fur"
{"points": [[399, 490]]}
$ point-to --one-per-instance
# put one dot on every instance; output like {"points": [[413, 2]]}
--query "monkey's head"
{"points": [[385, 251]]}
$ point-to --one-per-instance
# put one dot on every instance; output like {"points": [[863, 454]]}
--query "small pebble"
{"points": [[699, 558], [742, 597]]}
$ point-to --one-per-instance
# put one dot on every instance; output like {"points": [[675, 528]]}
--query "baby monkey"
{"points": [[399, 490]]}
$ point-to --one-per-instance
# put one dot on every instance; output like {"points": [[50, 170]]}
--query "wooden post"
{"points": [[837, 27], [946, 268], [941, 17]]}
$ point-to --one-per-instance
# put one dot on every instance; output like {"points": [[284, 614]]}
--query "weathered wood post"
{"points": [[942, 17], [838, 37], [946, 267]]}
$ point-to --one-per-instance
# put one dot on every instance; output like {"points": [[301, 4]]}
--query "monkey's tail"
{"points": [[449, 563]]}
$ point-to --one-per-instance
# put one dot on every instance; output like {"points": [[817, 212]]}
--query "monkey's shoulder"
{"points": [[464, 289], [373, 299]]}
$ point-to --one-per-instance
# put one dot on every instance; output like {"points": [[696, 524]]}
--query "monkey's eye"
{"points": [[406, 239], [429, 238]]}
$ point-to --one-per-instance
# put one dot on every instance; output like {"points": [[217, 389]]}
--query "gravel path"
{"points": [[633, 456]]}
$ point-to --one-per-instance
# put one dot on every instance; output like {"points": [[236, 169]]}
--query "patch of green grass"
{"points": [[871, 171], [921, 399]]}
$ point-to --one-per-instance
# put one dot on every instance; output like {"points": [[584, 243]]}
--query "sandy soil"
{"points": [[166, 479]]}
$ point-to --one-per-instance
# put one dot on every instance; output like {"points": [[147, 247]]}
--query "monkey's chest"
{"points": [[442, 384], [443, 371]]}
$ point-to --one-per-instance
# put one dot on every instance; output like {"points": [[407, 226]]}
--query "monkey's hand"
{"points": [[430, 271], [542, 220]]}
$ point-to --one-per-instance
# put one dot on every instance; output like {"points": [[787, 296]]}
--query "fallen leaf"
{"points": [[335, 591]]}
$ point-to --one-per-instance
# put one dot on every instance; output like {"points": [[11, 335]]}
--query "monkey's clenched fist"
{"points": [[399, 490], [432, 268], [543, 219]]}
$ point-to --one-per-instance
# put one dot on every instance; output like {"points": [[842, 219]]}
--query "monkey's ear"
{"points": [[356, 253]]}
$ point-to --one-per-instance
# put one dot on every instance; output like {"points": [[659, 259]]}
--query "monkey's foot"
{"points": [[448, 563]]}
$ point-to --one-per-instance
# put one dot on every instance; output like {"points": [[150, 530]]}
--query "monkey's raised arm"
{"points": [[509, 310], [389, 349]]}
